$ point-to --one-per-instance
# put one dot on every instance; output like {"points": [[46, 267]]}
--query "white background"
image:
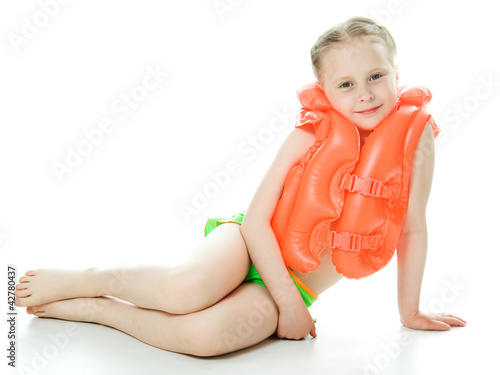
{"points": [[229, 72]]}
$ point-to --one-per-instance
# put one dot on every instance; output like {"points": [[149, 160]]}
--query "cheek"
{"points": [[342, 104], [389, 92], [387, 95], [392, 99]]}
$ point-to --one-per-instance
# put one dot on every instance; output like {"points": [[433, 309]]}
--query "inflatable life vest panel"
{"points": [[345, 198]]}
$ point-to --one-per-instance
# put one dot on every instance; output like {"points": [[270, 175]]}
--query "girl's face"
{"points": [[360, 82]]}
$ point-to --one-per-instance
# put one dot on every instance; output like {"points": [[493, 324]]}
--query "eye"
{"points": [[345, 85], [375, 77]]}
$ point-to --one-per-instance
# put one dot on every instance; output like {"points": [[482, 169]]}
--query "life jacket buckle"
{"points": [[346, 241], [365, 186], [355, 242]]}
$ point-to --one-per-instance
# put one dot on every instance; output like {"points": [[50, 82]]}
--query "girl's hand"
{"points": [[433, 322], [295, 322]]}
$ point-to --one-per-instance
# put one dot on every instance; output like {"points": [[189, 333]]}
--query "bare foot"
{"points": [[42, 286], [77, 309]]}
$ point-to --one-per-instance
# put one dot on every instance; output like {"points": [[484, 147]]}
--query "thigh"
{"points": [[216, 267], [245, 317]]}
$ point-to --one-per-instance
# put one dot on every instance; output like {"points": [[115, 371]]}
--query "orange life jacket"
{"points": [[350, 200]]}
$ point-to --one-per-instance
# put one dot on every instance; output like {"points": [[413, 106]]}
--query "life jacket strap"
{"points": [[366, 186], [355, 242]]}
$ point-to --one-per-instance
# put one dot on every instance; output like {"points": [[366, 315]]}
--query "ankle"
{"points": [[92, 309], [89, 280]]}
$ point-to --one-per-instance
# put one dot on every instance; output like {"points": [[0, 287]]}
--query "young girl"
{"points": [[217, 302]]}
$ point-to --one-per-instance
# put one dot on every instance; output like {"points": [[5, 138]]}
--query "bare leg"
{"points": [[244, 318], [218, 265]]}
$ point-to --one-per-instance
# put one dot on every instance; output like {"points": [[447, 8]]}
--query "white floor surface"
{"points": [[356, 335]]}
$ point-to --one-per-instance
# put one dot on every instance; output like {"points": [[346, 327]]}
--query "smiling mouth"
{"points": [[369, 111]]}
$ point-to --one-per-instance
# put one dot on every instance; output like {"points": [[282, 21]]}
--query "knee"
{"points": [[225, 334]]}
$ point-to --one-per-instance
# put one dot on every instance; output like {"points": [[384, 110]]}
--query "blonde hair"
{"points": [[352, 28]]}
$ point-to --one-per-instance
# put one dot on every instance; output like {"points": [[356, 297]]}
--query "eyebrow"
{"points": [[344, 78]]}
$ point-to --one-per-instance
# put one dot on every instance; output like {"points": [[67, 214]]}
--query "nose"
{"points": [[365, 94]]}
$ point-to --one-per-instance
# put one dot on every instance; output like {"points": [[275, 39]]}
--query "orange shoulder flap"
{"points": [[308, 185]]}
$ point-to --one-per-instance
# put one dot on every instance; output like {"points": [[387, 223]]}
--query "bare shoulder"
{"points": [[420, 180], [269, 191], [296, 144], [423, 159], [425, 147]]}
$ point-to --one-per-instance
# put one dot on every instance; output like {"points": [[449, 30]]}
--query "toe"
{"points": [[23, 302], [30, 273], [27, 301], [22, 293], [25, 279], [40, 311]]}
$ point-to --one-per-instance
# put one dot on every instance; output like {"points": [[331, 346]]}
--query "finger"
{"points": [[453, 317], [287, 337], [453, 320], [456, 317], [436, 325], [313, 331]]}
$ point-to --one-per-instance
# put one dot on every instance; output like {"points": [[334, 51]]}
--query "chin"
{"points": [[367, 126], [370, 124]]}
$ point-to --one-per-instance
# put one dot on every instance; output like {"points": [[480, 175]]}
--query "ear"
{"points": [[319, 82], [396, 70]]}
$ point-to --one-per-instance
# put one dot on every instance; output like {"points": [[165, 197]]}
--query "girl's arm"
{"points": [[412, 246], [295, 322]]}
